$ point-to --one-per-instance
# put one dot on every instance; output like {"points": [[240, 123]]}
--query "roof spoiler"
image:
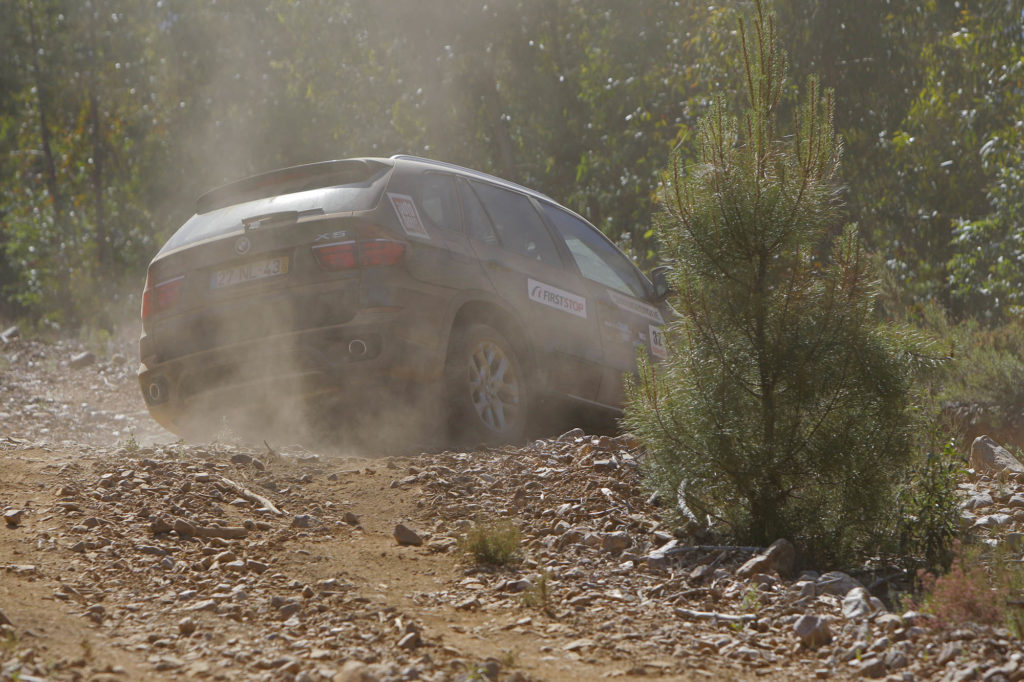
{"points": [[293, 179]]}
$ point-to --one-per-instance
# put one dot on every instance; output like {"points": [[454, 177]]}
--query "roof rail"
{"points": [[469, 171]]}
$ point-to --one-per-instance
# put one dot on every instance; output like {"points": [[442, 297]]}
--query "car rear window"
{"points": [[520, 228], [437, 198], [356, 196], [477, 222]]}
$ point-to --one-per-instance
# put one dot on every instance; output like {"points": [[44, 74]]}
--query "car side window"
{"points": [[478, 224], [437, 200], [520, 228], [596, 257]]}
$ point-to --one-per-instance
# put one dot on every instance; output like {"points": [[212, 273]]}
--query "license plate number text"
{"points": [[249, 272]]}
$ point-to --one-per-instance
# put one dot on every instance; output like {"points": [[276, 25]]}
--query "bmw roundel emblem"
{"points": [[242, 245]]}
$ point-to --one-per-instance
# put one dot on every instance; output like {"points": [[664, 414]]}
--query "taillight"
{"points": [[352, 254], [340, 256], [380, 252], [162, 296]]}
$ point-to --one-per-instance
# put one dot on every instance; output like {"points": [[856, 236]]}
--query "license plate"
{"points": [[249, 272]]}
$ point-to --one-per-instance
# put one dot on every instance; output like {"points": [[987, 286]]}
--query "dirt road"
{"points": [[138, 557]]}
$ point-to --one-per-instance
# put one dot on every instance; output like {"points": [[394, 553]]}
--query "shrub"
{"points": [[539, 595], [929, 513], [989, 372], [975, 591], [980, 387], [494, 543], [782, 410]]}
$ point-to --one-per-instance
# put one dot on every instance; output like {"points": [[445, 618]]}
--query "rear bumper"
{"points": [[377, 350]]}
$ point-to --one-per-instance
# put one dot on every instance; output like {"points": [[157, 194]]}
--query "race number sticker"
{"points": [[635, 306], [408, 215], [657, 337], [557, 298]]}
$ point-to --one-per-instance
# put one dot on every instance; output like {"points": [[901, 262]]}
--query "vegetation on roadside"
{"points": [[539, 595], [8, 644], [927, 520], [491, 543], [784, 409], [979, 589], [989, 369], [128, 443]]}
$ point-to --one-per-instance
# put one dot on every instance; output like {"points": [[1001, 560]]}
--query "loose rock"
{"points": [[83, 359], [812, 631], [187, 626], [355, 671], [872, 668], [304, 521], [987, 456], [858, 603], [407, 536], [782, 557], [12, 517]]}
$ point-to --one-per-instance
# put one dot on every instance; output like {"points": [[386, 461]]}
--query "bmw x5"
{"points": [[367, 276]]}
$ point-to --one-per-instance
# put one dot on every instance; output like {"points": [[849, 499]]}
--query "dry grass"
{"points": [[985, 591], [494, 543]]}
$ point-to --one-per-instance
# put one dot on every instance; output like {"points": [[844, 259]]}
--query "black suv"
{"points": [[355, 276]]}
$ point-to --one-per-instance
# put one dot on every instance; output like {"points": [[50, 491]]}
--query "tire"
{"points": [[486, 382]]}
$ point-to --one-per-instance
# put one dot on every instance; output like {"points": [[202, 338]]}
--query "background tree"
{"points": [[116, 114], [783, 408], [72, 218], [976, 99]]}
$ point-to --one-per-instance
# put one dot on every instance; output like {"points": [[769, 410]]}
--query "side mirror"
{"points": [[659, 278]]}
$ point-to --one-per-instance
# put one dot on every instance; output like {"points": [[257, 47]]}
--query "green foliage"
{"points": [[493, 543], [929, 512], [782, 411], [991, 367], [116, 114], [751, 602], [986, 368], [956, 156], [80, 130], [130, 445], [985, 269]]}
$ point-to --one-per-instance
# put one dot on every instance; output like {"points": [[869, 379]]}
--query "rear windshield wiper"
{"points": [[277, 219]]}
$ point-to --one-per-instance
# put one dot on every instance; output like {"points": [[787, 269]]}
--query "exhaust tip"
{"points": [[357, 347], [156, 392]]}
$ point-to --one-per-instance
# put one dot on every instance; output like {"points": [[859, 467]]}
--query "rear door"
{"points": [[436, 195], [526, 269], [626, 320]]}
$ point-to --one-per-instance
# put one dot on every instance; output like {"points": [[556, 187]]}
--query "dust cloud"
{"points": [[356, 109]]}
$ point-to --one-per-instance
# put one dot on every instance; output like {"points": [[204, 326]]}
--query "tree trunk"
{"points": [[96, 177], [58, 236]]}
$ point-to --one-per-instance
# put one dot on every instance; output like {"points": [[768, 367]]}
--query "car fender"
{"points": [[482, 305]]}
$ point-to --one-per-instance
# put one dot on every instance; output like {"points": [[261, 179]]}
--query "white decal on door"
{"points": [[408, 215], [556, 298], [635, 306]]}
